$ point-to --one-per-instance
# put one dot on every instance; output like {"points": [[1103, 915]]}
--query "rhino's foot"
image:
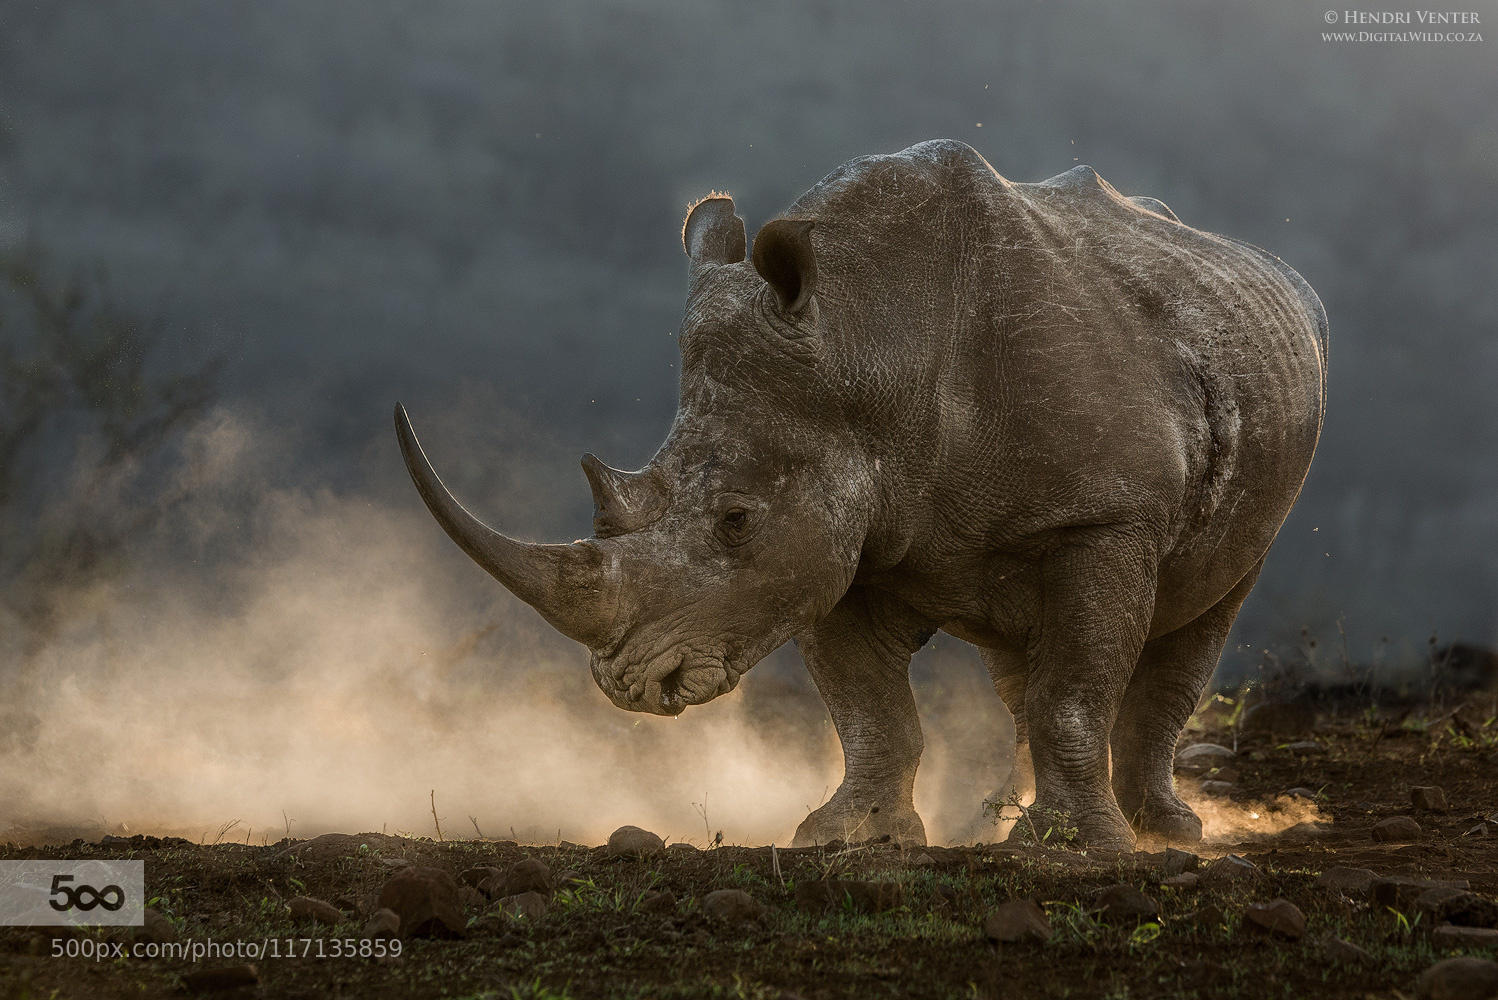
{"points": [[1099, 829], [852, 821], [1166, 819]]}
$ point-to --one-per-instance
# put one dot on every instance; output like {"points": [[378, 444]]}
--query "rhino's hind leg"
{"points": [[1007, 668], [1098, 599], [1173, 669], [859, 657]]}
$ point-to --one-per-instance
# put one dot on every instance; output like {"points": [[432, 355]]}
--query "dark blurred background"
{"points": [[474, 207]]}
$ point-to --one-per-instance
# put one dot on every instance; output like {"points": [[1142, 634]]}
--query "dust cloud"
{"points": [[308, 660]]}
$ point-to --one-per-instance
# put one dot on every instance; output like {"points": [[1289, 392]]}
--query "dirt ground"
{"points": [[639, 926]]}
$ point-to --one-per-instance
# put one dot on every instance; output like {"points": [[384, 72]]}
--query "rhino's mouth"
{"points": [[665, 684]]}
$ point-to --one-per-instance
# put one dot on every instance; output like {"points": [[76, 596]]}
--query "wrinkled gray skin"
{"points": [[1045, 418]]}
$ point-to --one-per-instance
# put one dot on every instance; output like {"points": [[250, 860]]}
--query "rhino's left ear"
{"points": [[712, 234], [784, 257]]}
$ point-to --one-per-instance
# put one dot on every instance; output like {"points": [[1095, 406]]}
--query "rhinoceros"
{"points": [[1047, 419]]}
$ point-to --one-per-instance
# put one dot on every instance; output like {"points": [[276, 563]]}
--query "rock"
{"points": [[1124, 904], [1278, 718], [1015, 921], [632, 842], [922, 860], [1451, 936], [382, 923], [831, 895], [426, 901], [1400, 892], [1431, 901], [1228, 870], [156, 929], [1459, 979], [529, 875], [310, 910], [1353, 882], [1340, 952], [228, 977], [1218, 789], [1279, 917], [1396, 829], [476, 877], [656, 902], [1305, 746], [1185, 880], [1468, 910], [526, 905], [1174, 862], [1206, 917], [1430, 798], [732, 906], [1200, 758]]}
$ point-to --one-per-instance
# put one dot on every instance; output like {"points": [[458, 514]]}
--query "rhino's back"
{"points": [[1100, 295]]}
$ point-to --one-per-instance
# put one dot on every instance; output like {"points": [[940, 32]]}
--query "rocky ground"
{"points": [[1355, 858]]}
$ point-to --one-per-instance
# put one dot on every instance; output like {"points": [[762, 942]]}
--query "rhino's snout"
{"points": [[667, 684]]}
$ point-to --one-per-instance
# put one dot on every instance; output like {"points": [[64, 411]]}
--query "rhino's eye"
{"points": [[733, 526]]}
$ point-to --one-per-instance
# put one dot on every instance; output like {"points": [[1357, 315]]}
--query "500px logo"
{"points": [[111, 897], [39, 892]]}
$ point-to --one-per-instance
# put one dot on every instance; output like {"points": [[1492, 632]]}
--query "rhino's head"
{"points": [[747, 524]]}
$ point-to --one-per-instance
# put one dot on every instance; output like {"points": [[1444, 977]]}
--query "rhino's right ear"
{"points": [[712, 234]]}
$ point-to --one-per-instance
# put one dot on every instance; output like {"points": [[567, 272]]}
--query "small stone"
{"points": [[1400, 892], [732, 906], [1451, 936], [526, 905], [1206, 917], [1200, 758], [1185, 880], [1017, 920], [1459, 979], [1218, 789], [1124, 904], [156, 929], [1279, 718], [831, 895], [1279, 917], [382, 923], [1432, 901], [529, 875], [476, 877], [1353, 882], [1430, 798], [1175, 862], [229, 977], [632, 842], [656, 902], [310, 910], [426, 900], [1396, 829], [1339, 952], [1227, 870]]}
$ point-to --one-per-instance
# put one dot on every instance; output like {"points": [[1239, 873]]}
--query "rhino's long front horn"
{"points": [[574, 587]]}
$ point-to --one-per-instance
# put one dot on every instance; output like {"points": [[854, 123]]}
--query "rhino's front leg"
{"points": [[859, 657], [1099, 591]]}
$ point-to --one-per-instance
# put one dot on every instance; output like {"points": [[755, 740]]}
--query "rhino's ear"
{"points": [[784, 257], [712, 234]]}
